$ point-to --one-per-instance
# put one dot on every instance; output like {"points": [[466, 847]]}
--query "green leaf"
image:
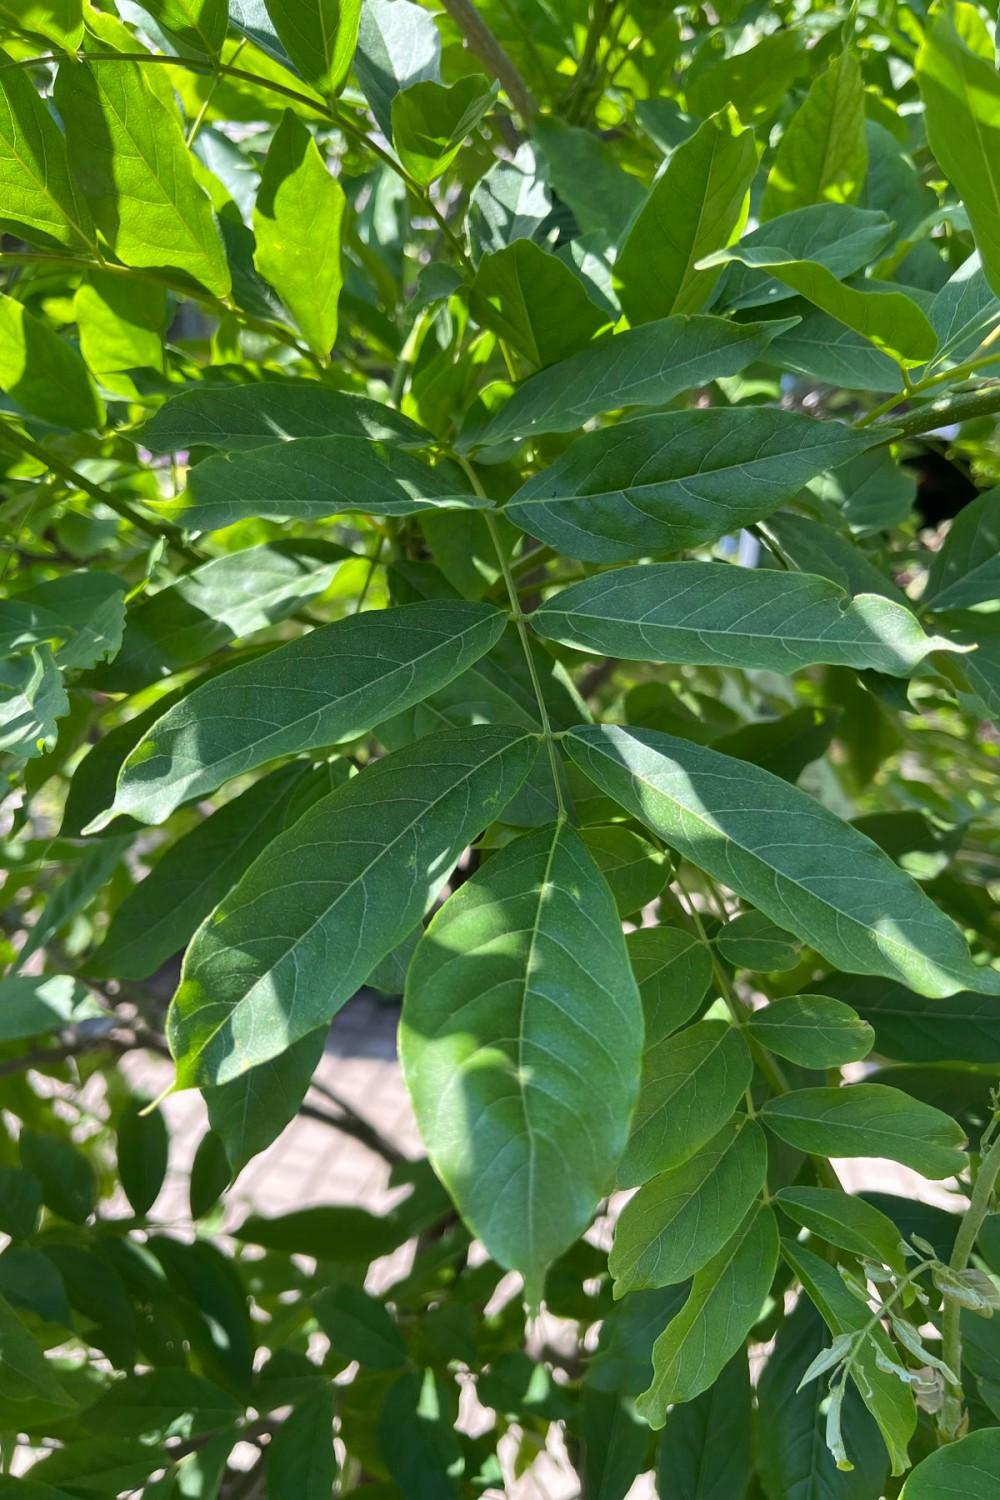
{"points": [[324, 687], [297, 222], [159, 915], [968, 1467], [25, 1373], [128, 156], [725, 1301], [398, 45], [691, 1083], [635, 871], [100, 1465], [673, 971], [888, 1399], [210, 1174], [868, 1119], [170, 1402], [359, 1327], [784, 746], [712, 614], [644, 366], [306, 479], [585, 172], [705, 1447], [250, 1113], [754, 79], [820, 348], [334, 1232], [498, 1063], [59, 20], [669, 482], [44, 1003], [964, 310], [300, 1457], [750, 941], [961, 92], [822, 880], [835, 235], [20, 1203], [38, 196], [966, 570], [823, 154], [417, 1440], [32, 699], [142, 1155], [69, 1187], [698, 204], [430, 122], [793, 1461], [121, 325], [354, 874], [43, 373], [890, 320], [614, 1444], [813, 1030], [872, 493], [911, 1028], [239, 417], [200, 25], [847, 1222], [82, 615], [319, 36], [225, 599], [679, 1219], [534, 301]]}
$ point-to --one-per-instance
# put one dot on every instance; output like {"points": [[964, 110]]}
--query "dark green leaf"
{"points": [[142, 1155], [355, 873], [678, 1220], [324, 687], [698, 204], [673, 970], [359, 1327], [813, 1030], [300, 1458], [536, 303], [847, 1222], [526, 1165], [712, 614], [726, 1299], [823, 880], [69, 1188], [35, 1006], [705, 1447], [691, 1083], [966, 570], [868, 1119], [750, 941], [644, 366], [665, 483], [43, 373]]}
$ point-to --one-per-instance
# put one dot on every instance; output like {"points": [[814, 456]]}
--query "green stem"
{"points": [[951, 1324], [522, 630], [980, 403], [12, 439]]}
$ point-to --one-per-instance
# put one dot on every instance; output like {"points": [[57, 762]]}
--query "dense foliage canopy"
{"points": [[499, 504]]}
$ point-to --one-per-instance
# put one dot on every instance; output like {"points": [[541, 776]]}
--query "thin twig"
{"points": [[488, 49]]}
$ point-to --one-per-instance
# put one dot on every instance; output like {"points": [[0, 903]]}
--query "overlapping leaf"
{"points": [[778, 848], [329, 685], [332, 896], [663, 483], [519, 995]]}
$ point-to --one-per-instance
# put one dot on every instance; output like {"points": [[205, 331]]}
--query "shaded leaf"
{"points": [[498, 1066], [868, 1119], [824, 881], [813, 1030]]}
